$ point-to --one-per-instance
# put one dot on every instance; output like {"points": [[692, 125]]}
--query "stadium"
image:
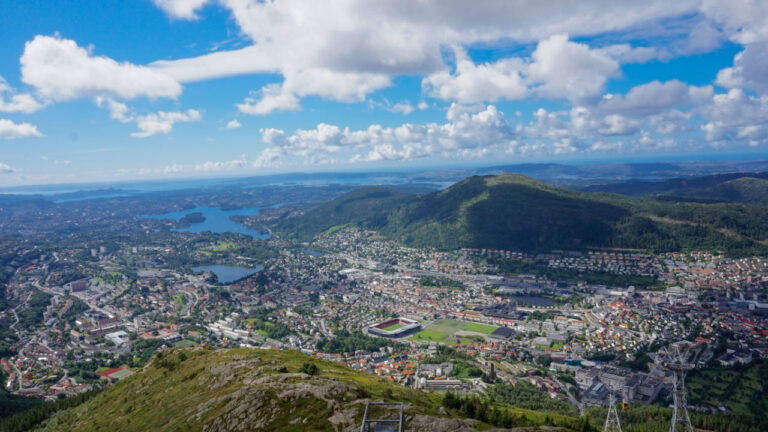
{"points": [[395, 328]]}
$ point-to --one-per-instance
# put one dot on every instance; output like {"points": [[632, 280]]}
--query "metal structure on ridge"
{"points": [[612, 419], [677, 363]]}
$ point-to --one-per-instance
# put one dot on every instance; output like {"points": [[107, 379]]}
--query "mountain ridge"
{"points": [[515, 212]]}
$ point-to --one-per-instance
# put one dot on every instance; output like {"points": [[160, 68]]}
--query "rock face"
{"points": [[240, 390]]}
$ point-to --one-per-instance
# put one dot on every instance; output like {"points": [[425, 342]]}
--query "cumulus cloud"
{"points": [[11, 101], [233, 124], [469, 131], [558, 68], [565, 69], [180, 9], [655, 97], [345, 50], [470, 83], [326, 83], [150, 124], [223, 166], [11, 130], [5, 168], [749, 70], [736, 117], [60, 70], [173, 169]]}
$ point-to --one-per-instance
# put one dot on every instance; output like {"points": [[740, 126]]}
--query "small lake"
{"points": [[312, 252], [216, 220], [228, 274], [535, 300]]}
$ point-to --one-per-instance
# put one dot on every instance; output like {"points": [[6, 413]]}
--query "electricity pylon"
{"points": [[612, 419], [681, 422]]}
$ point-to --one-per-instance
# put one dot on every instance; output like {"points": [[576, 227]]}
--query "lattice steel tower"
{"points": [[612, 419], [681, 422]]}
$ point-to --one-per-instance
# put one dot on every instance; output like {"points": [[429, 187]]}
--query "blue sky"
{"points": [[114, 90]]}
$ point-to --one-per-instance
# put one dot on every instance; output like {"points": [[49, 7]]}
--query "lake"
{"points": [[216, 220], [228, 274]]}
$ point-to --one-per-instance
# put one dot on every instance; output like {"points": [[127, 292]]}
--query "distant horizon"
{"points": [[242, 176]]}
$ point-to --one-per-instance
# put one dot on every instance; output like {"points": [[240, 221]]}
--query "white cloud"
{"points": [[268, 157], [62, 162], [468, 132], [470, 83], [11, 130], [618, 125], [326, 83], [404, 108], [223, 166], [180, 9], [558, 68], [750, 69], [61, 70], [565, 69], [655, 97], [150, 124], [162, 122], [16, 102], [744, 21], [173, 169], [345, 50], [272, 98], [736, 118], [5, 168], [233, 124]]}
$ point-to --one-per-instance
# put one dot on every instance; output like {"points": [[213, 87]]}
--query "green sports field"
{"points": [[442, 330], [394, 326]]}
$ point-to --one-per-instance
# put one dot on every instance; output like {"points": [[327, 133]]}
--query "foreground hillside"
{"points": [[250, 389], [516, 212]]}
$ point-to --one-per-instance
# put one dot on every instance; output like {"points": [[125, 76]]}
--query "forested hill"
{"points": [[749, 188], [515, 212]]}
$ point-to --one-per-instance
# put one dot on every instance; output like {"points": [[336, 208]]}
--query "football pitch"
{"points": [[394, 326], [442, 330]]}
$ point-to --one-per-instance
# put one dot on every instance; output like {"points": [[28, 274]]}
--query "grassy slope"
{"points": [[515, 212], [206, 388]]}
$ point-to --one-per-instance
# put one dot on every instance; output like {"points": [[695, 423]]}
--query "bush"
{"points": [[309, 368]]}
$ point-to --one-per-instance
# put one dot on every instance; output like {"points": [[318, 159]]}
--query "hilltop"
{"points": [[511, 211], [749, 188], [250, 389]]}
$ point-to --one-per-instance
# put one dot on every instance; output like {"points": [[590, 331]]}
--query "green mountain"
{"points": [[749, 188], [253, 390], [515, 212]]}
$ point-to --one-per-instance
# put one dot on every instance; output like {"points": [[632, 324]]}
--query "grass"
{"points": [[125, 373], [442, 330], [431, 336], [176, 393], [480, 328], [224, 246], [334, 228], [180, 299], [735, 388], [393, 327], [186, 343]]}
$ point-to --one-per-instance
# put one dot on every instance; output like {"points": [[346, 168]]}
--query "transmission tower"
{"points": [[612, 419], [679, 366]]}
